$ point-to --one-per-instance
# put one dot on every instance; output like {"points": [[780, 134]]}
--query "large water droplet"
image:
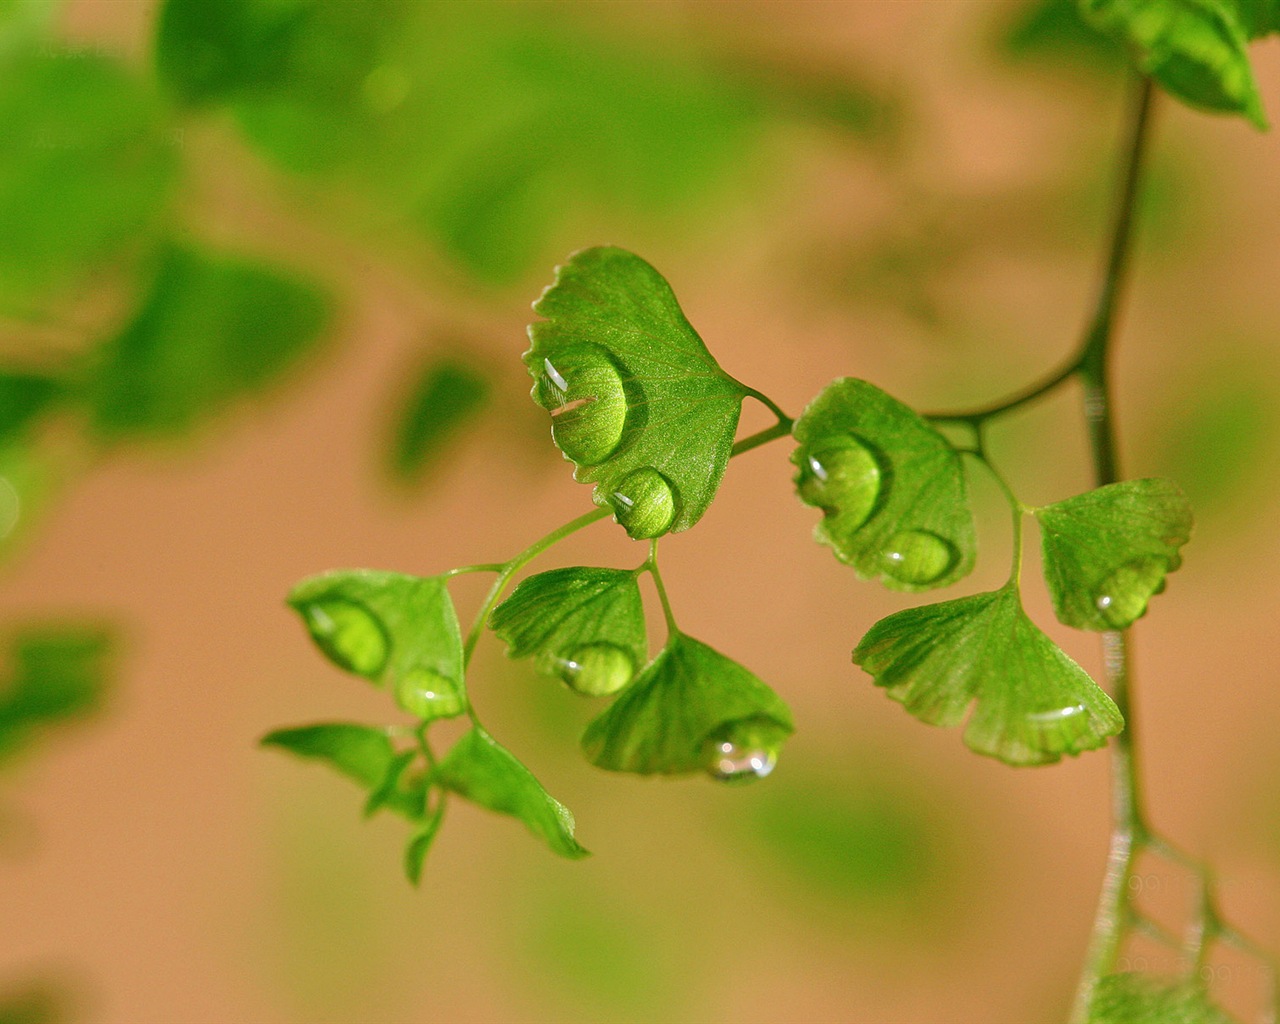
{"points": [[596, 670], [918, 557], [427, 694], [582, 388], [1123, 596], [348, 633], [840, 475], [644, 503], [743, 751]]}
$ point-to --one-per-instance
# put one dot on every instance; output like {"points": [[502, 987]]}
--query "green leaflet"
{"points": [[396, 630], [24, 397], [1196, 49], [58, 675], [892, 490], [1032, 703], [1107, 551], [1132, 998], [212, 330], [638, 404], [1053, 30], [585, 625], [446, 397], [691, 709], [364, 754], [489, 775], [1258, 17], [419, 845]]}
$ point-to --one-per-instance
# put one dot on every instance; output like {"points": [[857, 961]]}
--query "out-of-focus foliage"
{"points": [[444, 398], [33, 1003], [1053, 30]]}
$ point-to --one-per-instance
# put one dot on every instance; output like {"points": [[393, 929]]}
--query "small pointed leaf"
{"points": [[585, 625], [638, 403], [691, 709], [489, 775], [1132, 998], [891, 488], [1032, 702], [1107, 551], [419, 845], [398, 631]]}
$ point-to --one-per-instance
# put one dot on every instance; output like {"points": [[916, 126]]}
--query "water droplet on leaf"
{"points": [[596, 670], [743, 751], [1123, 596], [918, 557], [644, 504], [427, 694], [582, 388], [840, 475], [348, 633]]}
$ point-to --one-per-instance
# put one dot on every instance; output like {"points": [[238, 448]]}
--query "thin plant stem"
{"points": [[652, 567]]}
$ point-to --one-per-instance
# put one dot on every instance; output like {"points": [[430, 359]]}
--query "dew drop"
{"points": [[596, 670], [743, 751], [348, 633], [1123, 596], [644, 503], [917, 557], [840, 475], [428, 694], [582, 389]]}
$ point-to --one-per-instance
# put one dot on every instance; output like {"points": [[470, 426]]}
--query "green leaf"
{"points": [[24, 397], [690, 710], [1032, 703], [212, 330], [25, 484], [58, 675], [638, 404], [1258, 17], [585, 625], [419, 845], [891, 488], [1196, 49], [446, 397], [1132, 998], [1107, 551], [87, 172], [362, 753], [487, 774], [1054, 29], [399, 631]]}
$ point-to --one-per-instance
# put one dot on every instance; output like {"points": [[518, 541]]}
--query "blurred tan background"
{"points": [[900, 193]]}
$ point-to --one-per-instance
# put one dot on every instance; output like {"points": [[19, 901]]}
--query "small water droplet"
{"points": [[427, 694], [1123, 596], [348, 633], [1057, 714], [644, 503], [10, 507], [743, 751], [840, 475], [582, 388], [918, 557], [596, 670]]}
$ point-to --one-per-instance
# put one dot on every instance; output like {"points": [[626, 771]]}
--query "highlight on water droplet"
{"points": [[596, 670], [581, 386], [1056, 715], [644, 503], [427, 694], [840, 475], [743, 751], [1123, 595], [348, 633], [917, 557]]}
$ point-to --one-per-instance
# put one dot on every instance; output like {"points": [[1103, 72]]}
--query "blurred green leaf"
{"points": [[56, 675], [1143, 999], [1054, 29], [398, 631], [23, 397], [891, 488], [584, 624], [1259, 17], [212, 331], [35, 1003], [1107, 551], [419, 845], [690, 710], [25, 484], [487, 774], [637, 402], [1032, 702], [445, 398], [363, 753], [87, 172], [1196, 49]]}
